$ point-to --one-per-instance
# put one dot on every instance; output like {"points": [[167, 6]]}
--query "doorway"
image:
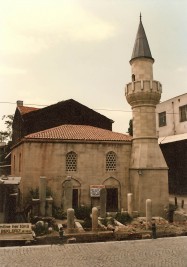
{"points": [[112, 199], [75, 199]]}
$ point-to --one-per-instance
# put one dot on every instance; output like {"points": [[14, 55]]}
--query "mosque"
{"points": [[68, 140]]}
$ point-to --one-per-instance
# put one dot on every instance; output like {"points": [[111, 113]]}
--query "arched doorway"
{"points": [[76, 192], [113, 189]]}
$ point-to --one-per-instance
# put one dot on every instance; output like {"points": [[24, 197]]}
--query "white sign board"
{"points": [[17, 228], [95, 190]]}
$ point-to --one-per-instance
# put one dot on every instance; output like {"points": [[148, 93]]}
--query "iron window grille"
{"points": [[71, 161], [111, 161]]}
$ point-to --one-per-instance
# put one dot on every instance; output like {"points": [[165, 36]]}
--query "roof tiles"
{"points": [[23, 110], [79, 132]]}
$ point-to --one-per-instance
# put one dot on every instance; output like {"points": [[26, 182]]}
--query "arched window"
{"points": [[133, 77], [71, 161], [110, 161]]}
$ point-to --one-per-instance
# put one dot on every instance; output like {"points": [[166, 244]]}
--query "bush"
{"points": [[58, 213], [123, 217], [83, 212], [170, 209], [34, 193], [87, 224]]}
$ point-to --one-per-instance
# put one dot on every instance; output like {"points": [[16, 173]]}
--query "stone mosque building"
{"points": [[68, 140]]}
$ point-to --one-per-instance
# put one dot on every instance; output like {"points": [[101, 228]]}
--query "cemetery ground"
{"points": [[114, 227], [135, 230], [118, 228]]}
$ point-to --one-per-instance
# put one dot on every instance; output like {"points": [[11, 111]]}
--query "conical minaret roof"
{"points": [[141, 46]]}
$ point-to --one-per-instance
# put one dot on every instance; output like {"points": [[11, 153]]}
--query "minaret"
{"points": [[148, 169]]}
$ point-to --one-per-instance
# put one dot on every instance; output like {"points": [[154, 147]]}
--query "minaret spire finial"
{"points": [[140, 16]]}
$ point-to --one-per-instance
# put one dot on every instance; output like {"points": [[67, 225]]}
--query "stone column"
{"points": [[35, 207], [94, 219], [49, 204], [103, 202], [130, 203], [68, 194], [42, 194], [70, 220], [148, 212]]}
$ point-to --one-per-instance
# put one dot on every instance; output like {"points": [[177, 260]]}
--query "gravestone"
{"points": [[94, 219], [130, 203], [68, 194], [148, 212], [70, 220], [103, 203], [42, 194]]}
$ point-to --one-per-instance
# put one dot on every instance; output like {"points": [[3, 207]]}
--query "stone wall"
{"points": [[49, 159]]}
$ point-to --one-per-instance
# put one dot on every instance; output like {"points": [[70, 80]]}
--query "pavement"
{"points": [[162, 252]]}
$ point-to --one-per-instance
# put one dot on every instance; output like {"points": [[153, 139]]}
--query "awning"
{"points": [[172, 138], [10, 180]]}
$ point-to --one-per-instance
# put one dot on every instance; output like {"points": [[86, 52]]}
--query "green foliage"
{"points": [[170, 212], [58, 213], [87, 224], [83, 212], [130, 129], [7, 135], [123, 217], [34, 193], [48, 192]]}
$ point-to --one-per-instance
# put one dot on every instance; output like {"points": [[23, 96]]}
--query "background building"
{"points": [[172, 133]]}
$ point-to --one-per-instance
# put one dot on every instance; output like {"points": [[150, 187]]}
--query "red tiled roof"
{"points": [[79, 132], [23, 110]]}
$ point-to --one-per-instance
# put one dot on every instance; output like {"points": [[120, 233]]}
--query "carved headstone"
{"points": [[68, 194], [103, 203], [148, 212], [130, 203], [70, 220], [94, 219], [42, 194]]}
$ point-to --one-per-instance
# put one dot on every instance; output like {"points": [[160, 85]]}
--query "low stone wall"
{"points": [[90, 236]]}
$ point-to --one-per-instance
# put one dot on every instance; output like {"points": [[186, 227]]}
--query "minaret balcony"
{"points": [[143, 92]]}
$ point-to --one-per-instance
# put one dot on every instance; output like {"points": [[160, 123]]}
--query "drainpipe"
{"points": [[174, 131]]}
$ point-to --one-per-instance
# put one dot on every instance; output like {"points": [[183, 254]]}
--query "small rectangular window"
{"points": [[183, 113], [162, 119], [20, 162]]}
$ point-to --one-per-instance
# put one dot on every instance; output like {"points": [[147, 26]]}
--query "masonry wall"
{"points": [[173, 124], [49, 159], [175, 154]]}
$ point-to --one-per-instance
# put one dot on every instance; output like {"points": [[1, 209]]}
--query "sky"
{"points": [[54, 50]]}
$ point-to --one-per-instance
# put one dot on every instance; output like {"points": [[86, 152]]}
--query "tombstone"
{"points": [[42, 194], [182, 204], [176, 202], [68, 194], [148, 212], [49, 204], [130, 203], [94, 219], [103, 202], [35, 207], [70, 220]]}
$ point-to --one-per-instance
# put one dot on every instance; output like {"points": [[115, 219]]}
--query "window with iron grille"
{"points": [[111, 161], [71, 161], [183, 113], [162, 119]]}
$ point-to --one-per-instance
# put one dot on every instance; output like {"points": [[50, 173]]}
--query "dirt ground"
{"points": [[135, 230]]}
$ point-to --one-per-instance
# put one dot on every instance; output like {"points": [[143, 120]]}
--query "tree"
{"points": [[7, 134], [130, 129]]}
